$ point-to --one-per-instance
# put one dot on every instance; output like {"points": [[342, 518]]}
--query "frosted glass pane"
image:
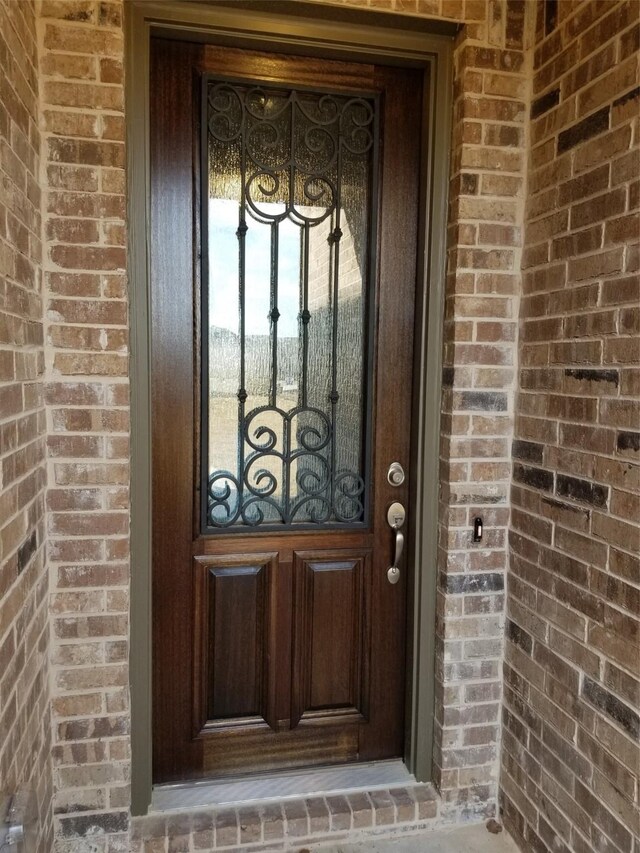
{"points": [[288, 237]]}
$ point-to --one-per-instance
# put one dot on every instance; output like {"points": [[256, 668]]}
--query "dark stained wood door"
{"points": [[278, 644]]}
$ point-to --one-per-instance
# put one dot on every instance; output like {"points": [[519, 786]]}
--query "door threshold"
{"points": [[284, 785]]}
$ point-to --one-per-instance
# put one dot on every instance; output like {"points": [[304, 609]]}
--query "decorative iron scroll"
{"points": [[258, 495], [292, 143], [305, 158]]}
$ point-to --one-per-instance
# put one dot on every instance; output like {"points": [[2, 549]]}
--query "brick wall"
{"points": [[87, 407], [570, 762], [24, 693], [568, 675], [81, 79]]}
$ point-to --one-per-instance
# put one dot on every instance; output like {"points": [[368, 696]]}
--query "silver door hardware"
{"points": [[396, 516], [395, 474], [393, 572]]}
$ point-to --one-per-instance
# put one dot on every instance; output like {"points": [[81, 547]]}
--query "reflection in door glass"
{"points": [[288, 218]]}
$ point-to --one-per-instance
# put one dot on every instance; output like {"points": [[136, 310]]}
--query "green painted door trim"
{"points": [[313, 29]]}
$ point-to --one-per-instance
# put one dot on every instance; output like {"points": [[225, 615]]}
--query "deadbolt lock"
{"points": [[395, 474]]}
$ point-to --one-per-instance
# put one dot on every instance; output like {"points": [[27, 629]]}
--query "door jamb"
{"points": [[312, 29]]}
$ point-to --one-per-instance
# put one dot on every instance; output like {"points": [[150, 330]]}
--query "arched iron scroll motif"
{"points": [[282, 152], [258, 496], [294, 152]]}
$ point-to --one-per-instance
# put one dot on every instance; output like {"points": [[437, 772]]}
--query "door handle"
{"points": [[393, 572], [395, 517]]}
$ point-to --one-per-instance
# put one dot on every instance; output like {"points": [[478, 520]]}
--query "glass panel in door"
{"points": [[289, 221]]}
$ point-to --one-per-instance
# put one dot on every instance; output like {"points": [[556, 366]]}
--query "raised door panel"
{"points": [[233, 617], [331, 637], [236, 629]]}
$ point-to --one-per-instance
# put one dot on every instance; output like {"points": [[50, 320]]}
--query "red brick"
{"points": [[602, 148], [82, 40], [609, 86], [72, 231], [622, 230], [593, 266]]}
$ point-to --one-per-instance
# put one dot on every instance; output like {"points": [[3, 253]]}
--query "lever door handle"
{"points": [[393, 572], [396, 516], [399, 548]]}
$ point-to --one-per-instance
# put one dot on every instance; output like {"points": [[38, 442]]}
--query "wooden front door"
{"points": [[283, 264]]}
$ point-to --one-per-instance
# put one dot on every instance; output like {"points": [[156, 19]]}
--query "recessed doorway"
{"points": [[227, 559]]}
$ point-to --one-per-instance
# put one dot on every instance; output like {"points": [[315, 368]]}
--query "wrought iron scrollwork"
{"points": [[291, 150], [292, 144], [308, 487]]}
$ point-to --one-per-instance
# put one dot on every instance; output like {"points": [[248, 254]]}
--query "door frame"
{"points": [[337, 32]]}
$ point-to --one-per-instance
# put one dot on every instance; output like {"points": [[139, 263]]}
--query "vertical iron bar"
{"points": [[274, 314], [286, 473], [369, 292], [335, 236], [242, 234], [304, 314], [205, 325], [292, 160], [286, 470]]}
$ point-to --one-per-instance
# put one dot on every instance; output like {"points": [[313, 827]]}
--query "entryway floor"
{"points": [[470, 839]]}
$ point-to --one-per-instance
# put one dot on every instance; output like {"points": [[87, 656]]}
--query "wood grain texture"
{"points": [[232, 627], [273, 650], [173, 456], [331, 642], [397, 248], [236, 649], [294, 70], [268, 750]]}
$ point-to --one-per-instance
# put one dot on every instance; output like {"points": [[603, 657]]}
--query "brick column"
{"points": [[88, 419], [486, 199], [25, 732]]}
